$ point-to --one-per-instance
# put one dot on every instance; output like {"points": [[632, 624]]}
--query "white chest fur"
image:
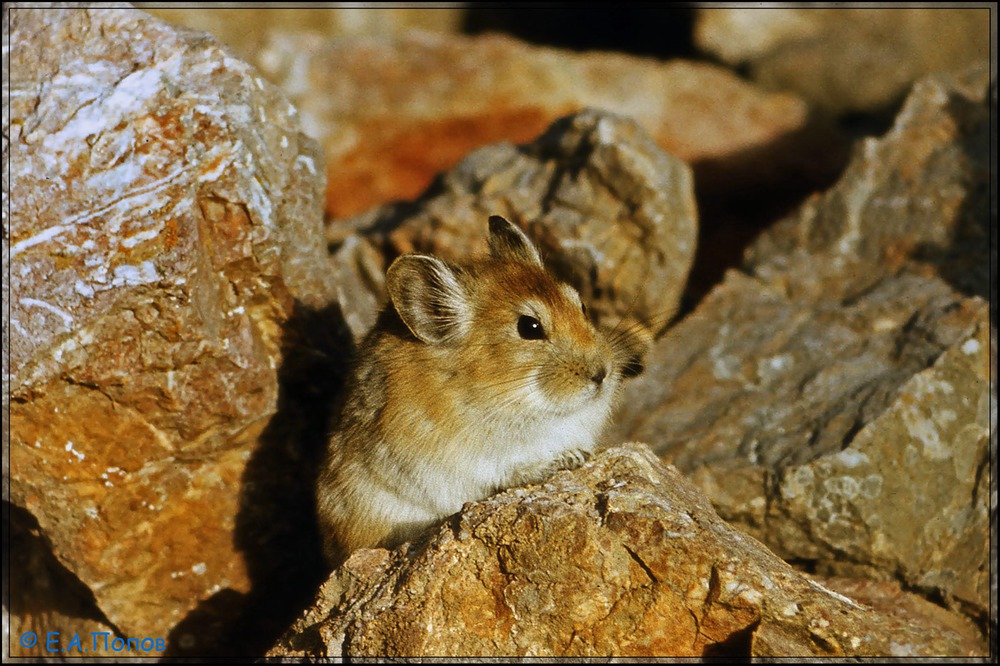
{"points": [[490, 456]]}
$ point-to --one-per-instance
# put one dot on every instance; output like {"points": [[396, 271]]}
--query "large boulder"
{"points": [[165, 222], [392, 111], [612, 213]]}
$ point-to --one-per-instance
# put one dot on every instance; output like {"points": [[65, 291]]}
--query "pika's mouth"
{"points": [[584, 396]]}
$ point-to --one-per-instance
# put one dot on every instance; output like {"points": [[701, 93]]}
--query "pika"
{"points": [[476, 377]]}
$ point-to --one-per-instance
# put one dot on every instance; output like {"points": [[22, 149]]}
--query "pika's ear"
{"points": [[509, 242], [429, 297]]}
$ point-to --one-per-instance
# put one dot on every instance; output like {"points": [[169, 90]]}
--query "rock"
{"points": [[836, 402], [247, 30], [393, 111], [929, 524], [919, 192], [359, 270], [612, 213], [46, 599], [823, 428], [845, 60], [165, 223], [621, 557], [890, 598]]}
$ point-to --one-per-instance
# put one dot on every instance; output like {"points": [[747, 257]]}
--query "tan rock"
{"points": [[393, 111], [842, 60], [247, 30], [622, 557], [164, 222]]}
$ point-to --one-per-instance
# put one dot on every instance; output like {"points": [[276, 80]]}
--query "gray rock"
{"points": [[851, 59], [919, 192], [836, 402]]}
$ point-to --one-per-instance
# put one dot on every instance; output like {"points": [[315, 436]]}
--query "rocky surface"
{"points": [[822, 430], [621, 557], [44, 597], [836, 401], [612, 213], [393, 111], [164, 224], [846, 60], [920, 192], [180, 316]]}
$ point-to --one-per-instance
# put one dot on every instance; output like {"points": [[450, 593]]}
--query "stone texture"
{"points": [[248, 30], [822, 430], [836, 402], [393, 111], [165, 222], [175, 348], [919, 192], [41, 579], [612, 214], [621, 557], [843, 60]]}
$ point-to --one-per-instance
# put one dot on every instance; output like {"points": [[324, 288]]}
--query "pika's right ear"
{"points": [[510, 243], [429, 297]]}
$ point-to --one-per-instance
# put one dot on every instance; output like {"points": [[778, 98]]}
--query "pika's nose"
{"points": [[598, 377]]}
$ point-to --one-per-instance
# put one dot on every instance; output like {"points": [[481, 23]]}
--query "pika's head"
{"points": [[512, 334]]}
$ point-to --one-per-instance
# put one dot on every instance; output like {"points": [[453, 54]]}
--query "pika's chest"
{"points": [[493, 457]]}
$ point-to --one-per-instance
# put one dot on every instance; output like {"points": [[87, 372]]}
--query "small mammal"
{"points": [[476, 377]]}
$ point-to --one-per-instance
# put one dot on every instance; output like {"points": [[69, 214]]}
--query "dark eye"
{"points": [[530, 328], [583, 307]]}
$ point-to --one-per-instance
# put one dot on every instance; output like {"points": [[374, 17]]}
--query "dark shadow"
{"points": [[735, 648], [38, 586], [743, 194], [276, 526], [656, 30]]}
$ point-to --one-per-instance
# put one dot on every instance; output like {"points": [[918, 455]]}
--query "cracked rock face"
{"points": [[165, 220], [836, 402], [620, 557]]}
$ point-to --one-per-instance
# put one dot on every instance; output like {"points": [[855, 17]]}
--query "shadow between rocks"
{"points": [[662, 30], [276, 527], [38, 588]]}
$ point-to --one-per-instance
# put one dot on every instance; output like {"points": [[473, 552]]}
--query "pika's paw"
{"points": [[571, 459], [568, 460]]}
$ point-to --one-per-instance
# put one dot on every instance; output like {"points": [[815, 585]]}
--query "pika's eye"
{"points": [[530, 328]]}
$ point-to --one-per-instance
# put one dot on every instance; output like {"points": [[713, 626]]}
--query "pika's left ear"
{"points": [[509, 242]]}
